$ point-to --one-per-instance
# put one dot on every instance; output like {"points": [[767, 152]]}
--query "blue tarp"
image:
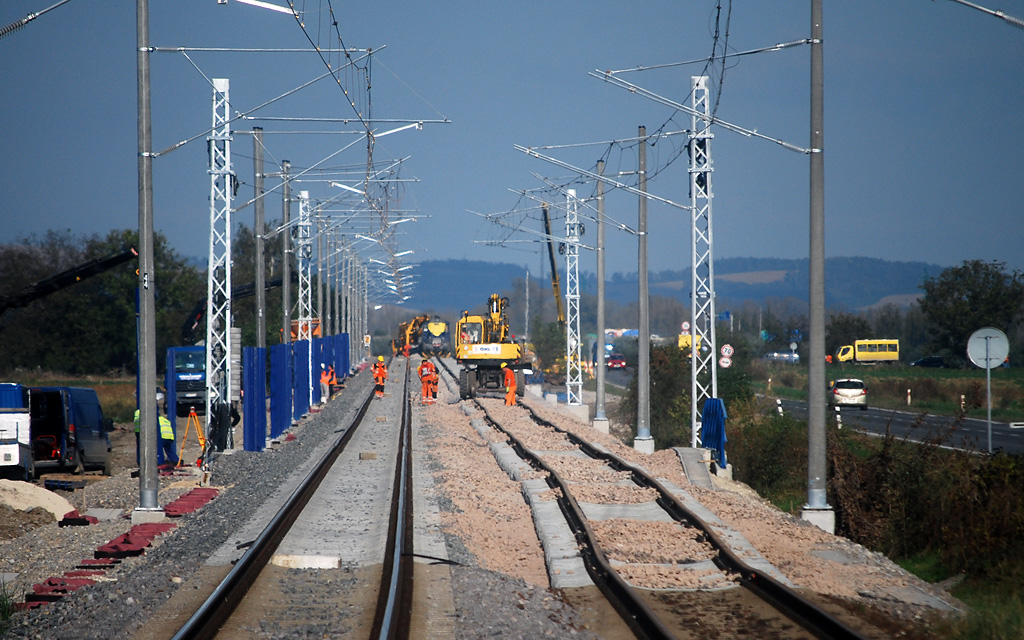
{"points": [[712, 429], [12, 396]]}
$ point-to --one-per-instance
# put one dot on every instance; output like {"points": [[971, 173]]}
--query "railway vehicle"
{"points": [[482, 344], [435, 339], [409, 335]]}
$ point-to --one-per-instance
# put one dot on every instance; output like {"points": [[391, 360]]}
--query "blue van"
{"points": [[68, 429]]}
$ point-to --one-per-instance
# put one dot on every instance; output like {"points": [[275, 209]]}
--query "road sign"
{"points": [[685, 326], [727, 350], [988, 347], [725, 362]]}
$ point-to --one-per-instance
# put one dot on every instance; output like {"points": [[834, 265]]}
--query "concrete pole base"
{"points": [[579, 411], [600, 425], [145, 516], [824, 519], [644, 445]]}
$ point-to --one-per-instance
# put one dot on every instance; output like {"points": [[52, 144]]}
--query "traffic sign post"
{"points": [[987, 348]]}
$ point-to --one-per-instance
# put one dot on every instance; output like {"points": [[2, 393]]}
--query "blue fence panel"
{"points": [[280, 389], [254, 398], [342, 364], [300, 378], [319, 362]]}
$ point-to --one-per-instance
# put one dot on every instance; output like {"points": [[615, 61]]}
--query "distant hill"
{"points": [[451, 286], [850, 283]]}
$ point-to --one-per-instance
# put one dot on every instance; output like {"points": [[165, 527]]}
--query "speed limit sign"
{"points": [[727, 350]]}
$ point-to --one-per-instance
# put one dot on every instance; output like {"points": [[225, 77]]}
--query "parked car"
{"points": [[848, 392], [615, 361], [791, 357], [937, 362]]}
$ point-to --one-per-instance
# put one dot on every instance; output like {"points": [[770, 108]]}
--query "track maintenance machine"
{"points": [[409, 335], [482, 344]]}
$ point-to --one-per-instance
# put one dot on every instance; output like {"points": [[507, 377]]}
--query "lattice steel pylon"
{"points": [[573, 364], [704, 376], [304, 256], [218, 287]]}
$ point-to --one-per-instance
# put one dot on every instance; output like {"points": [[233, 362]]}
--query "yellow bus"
{"points": [[870, 351]]}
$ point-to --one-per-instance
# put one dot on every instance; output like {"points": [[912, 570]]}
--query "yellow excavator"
{"points": [[409, 334], [482, 344]]}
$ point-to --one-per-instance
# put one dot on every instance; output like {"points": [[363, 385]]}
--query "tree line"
{"points": [[89, 327]]}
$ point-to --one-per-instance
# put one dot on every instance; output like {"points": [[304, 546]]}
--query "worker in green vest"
{"points": [[167, 439]]}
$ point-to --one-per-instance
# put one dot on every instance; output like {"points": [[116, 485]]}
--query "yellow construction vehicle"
{"points": [[409, 334], [482, 344]]}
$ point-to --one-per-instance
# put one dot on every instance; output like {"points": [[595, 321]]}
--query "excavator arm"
{"points": [[65, 279], [555, 286]]}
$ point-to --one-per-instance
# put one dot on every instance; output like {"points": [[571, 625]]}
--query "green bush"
{"points": [[7, 608], [768, 452]]}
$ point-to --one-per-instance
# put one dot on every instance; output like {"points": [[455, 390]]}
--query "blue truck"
{"points": [[186, 373]]}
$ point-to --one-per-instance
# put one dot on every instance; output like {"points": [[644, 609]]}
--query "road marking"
{"points": [[1017, 425]]}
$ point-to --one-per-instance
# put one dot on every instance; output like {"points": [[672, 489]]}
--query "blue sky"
{"points": [[923, 103]]}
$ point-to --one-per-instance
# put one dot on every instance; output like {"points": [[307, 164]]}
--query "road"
{"points": [[970, 434], [960, 433]]}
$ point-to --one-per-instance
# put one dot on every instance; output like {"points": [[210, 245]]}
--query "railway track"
{"points": [[256, 582], [652, 610]]}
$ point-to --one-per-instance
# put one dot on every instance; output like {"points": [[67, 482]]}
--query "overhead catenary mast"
{"points": [[704, 378], [573, 365], [218, 296]]}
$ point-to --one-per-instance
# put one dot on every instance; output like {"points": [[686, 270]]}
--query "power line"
{"points": [[18, 24]]}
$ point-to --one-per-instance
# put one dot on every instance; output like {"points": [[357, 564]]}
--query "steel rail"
{"points": [[217, 608], [787, 601], [790, 603], [394, 603], [630, 606]]}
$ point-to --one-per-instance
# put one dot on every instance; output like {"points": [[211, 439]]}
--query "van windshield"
{"points": [[190, 361]]}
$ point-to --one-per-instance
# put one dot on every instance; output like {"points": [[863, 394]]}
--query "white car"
{"points": [[848, 392]]}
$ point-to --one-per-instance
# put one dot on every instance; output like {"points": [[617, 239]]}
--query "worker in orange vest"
{"points": [[380, 376], [332, 381], [433, 385], [510, 385], [428, 374], [325, 384]]}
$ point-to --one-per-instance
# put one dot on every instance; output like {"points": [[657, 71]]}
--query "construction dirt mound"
{"points": [[24, 506]]}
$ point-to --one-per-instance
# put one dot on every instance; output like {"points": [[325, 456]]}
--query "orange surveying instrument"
{"points": [[193, 419]]}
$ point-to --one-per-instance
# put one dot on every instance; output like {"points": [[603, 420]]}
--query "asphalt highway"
{"points": [[969, 434]]}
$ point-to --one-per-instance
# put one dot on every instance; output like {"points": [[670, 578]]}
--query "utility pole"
{"points": [[643, 442], [149, 482], [526, 313], [320, 273], [258, 231], [817, 509], [600, 420], [286, 255]]}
